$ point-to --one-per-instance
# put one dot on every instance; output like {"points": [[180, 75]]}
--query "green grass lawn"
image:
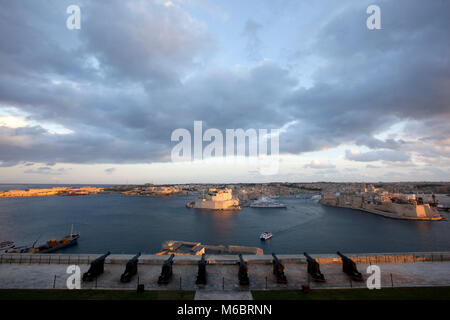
{"points": [[25, 294], [417, 293]]}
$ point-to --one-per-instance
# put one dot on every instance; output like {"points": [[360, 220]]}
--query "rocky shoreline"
{"points": [[56, 191]]}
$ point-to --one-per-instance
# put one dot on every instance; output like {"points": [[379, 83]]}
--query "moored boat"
{"points": [[54, 245], [50, 246], [5, 245]]}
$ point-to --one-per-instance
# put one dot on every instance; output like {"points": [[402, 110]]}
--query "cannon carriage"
{"points": [[349, 268], [130, 269], [243, 272], [201, 275], [96, 268], [278, 270], [166, 272], [314, 269]]}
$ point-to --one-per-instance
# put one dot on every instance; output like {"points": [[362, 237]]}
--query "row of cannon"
{"points": [[313, 268]]}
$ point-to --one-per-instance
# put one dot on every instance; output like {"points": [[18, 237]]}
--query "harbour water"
{"points": [[126, 224]]}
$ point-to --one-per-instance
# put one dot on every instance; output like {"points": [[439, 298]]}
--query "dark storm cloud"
{"points": [[36, 144], [138, 70]]}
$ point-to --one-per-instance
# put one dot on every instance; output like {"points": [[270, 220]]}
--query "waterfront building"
{"points": [[216, 199]]}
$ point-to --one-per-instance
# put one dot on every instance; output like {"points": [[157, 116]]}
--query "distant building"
{"points": [[216, 199]]}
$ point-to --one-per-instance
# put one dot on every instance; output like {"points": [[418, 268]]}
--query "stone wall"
{"points": [[26, 258]]}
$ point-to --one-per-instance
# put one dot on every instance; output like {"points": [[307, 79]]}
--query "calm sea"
{"points": [[124, 224]]}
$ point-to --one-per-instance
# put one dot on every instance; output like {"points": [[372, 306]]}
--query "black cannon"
{"points": [[278, 270], [96, 269], [314, 269], [243, 276], [130, 269], [201, 275], [349, 268], [166, 272]]}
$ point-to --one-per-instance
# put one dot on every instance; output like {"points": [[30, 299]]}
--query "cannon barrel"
{"points": [[136, 257], [275, 258], [101, 258], [170, 260], [130, 269], [309, 257], [96, 268], [343, 257]]}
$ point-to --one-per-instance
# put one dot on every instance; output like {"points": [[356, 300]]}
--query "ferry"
{"points": [[265, 235]]}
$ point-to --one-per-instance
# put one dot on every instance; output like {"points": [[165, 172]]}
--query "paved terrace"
{"points": [[46, 271]]}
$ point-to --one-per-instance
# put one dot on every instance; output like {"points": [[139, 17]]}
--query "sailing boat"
{"points": [[50, 246], [54, 245]]}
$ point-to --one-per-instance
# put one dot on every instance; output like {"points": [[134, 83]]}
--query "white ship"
{"points": [[267, 202]]}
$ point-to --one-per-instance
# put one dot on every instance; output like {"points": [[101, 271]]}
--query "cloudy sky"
{"points": [[99, 104]]}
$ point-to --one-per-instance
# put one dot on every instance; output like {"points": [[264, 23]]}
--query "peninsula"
{"points": [[382, 202], [56, 191]]}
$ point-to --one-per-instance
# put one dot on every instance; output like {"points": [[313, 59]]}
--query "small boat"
{"points": [[5, 245], [265, 235], [54, 245], [50, 246]]}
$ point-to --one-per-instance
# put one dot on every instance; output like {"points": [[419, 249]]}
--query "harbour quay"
{"points": [[49, 271]]}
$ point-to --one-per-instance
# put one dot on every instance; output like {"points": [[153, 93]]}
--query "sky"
{"points": [[98, 105]]}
